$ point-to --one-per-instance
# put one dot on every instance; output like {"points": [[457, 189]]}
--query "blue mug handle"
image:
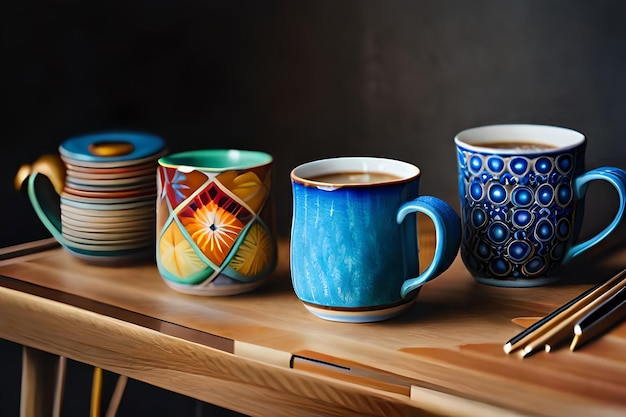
{"points": [[46, 202], [447, 234], [617, 178]]}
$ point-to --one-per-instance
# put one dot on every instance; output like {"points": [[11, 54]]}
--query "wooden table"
{"points": [[252, 353]]}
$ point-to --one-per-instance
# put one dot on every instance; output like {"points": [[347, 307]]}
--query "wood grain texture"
{"points": [[125, 319]]}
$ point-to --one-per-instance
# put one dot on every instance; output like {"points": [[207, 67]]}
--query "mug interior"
{"points": [[400, 171], [479, 139], [216, 159]]}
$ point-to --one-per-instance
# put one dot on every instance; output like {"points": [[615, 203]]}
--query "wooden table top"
{"points": [[251, 352]]}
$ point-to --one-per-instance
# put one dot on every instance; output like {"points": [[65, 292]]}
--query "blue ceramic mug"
{"points": [[522, 190], [354, 242]]}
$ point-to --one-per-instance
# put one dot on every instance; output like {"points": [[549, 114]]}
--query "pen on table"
{"points": [[600, 320], [564, 330], [548, 322]]}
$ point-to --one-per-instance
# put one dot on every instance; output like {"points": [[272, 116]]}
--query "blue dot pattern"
{"points": [[519, 212]]}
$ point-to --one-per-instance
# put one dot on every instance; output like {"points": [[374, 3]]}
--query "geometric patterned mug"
{"points": [[522, 190], [215, 221]]}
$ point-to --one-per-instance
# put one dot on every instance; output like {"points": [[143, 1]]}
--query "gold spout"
{"points": [[49, 165]]}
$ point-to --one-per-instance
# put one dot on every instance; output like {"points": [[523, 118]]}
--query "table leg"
{"points": [[42, 383]]}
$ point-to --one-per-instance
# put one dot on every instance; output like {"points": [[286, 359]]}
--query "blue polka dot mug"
{"points": [[522, 190]]}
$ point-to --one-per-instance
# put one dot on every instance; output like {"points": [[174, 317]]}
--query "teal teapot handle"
{"points": [[617, 178], [45, 180], [46, 202], [447, 234]]}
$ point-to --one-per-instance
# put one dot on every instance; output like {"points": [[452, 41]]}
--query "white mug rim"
{"points": [[477, 139], [405, 171]]}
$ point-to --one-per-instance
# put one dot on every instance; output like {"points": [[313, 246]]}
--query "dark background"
{"points": [[301, 80]]}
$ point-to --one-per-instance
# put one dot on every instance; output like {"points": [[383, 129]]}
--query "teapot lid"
{"points": [[118, 147]]}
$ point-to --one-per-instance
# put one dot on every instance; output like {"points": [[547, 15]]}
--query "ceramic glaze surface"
{"points": [[121, 147], [215, 229], [354, 247], [522, 212], [349, 239], [105, 209]]}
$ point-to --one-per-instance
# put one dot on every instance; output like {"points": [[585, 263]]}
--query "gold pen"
{"points": [[600, 320]]}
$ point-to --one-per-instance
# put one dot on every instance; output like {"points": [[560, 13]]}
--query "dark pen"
{"points": [[600, 320], [543, 325]]}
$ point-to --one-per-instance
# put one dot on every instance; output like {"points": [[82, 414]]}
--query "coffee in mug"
{"points": [[521, 145], [354, 177]]}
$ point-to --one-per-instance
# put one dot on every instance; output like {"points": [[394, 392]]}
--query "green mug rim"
{"points": [[216, 160]]}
